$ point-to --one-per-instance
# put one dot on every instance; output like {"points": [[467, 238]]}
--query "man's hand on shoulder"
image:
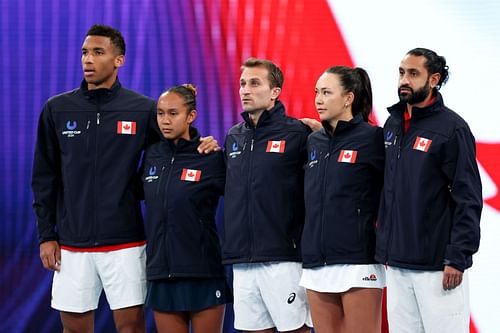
{"points": [[208, 145], [313, 124]]}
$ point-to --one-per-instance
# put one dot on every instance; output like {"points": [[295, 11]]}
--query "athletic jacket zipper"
{"points": [[165, 210], [322, 219], [96, 175], [249, 195]]}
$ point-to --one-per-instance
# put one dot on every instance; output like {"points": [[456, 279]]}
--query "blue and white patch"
{"points": [[152, 176], [71, 129], [390, 138], [313, 158], [235, 150]]}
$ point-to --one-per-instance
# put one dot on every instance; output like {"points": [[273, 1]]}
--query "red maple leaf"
{"points": [[422, 143], [488, 154], [276, 145], [126, 126], [347, 155], [190, 174]]}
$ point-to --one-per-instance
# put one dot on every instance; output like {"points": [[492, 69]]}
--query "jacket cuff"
{"points": [[46, 238], [456, 259]]}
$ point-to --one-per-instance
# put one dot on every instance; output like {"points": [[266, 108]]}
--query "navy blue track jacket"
{"points": [[264, 201], [343, 181], [431, 203], [85, 179], [182, 190]]}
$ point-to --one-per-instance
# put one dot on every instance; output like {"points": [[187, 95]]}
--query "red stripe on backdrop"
{"points": [[487, 155], [473, 328]]}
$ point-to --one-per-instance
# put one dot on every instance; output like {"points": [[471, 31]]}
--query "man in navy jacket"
{"points": [[431, 203], [264, 206]]}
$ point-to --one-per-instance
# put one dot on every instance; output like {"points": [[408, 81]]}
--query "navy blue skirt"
{"points": [[187, 294]]}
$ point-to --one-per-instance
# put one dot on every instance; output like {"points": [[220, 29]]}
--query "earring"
{"points": [[346, 105]]}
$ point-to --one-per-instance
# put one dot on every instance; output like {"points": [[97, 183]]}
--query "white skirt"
{"points": [[340, 278]]}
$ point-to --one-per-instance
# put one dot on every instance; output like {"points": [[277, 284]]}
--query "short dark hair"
{"points": [[107, 31], [357, 81], [275, 76], [434, 64]]}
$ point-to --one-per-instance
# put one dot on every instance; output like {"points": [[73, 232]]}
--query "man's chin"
{"points": [[404, 97], [93, 82], [249, 110]]}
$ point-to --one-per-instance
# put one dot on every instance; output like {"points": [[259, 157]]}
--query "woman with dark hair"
{"points": [[343, 181], [186, 281]]}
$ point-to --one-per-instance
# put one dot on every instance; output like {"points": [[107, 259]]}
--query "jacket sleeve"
{"points": [[379, 152], [153, 133], [466, 196], [46, 177], [303, 144], [379, 164], [220, 175]]}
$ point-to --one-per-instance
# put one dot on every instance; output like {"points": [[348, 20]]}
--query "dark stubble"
{"points": [[416, 96]]}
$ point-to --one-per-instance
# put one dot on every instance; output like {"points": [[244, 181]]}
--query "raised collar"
{"points": [[267, 117], [185, 145], [101, 94], [342, 126], [399, 108]]}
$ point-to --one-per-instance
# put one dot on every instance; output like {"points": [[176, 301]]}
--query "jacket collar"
{"points": [[185, 145], [399, 108], [267, 117], [101, 94], [342, 126]]}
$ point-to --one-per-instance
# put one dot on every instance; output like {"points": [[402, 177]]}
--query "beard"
{"points": [[416, 96]]}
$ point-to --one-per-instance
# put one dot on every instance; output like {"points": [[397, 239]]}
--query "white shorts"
{"points": [[340, 278], [82, 276], [417, 302], [268, 295]]}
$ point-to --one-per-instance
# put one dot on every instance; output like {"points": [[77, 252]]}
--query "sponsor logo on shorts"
{"points": [[217, 293], [291, 298], [372, 277]]}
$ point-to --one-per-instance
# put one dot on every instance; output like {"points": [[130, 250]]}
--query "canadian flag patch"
{"points": [[275, 146], [348, 156], [126, 127], [422, 144], [191, 175]]}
